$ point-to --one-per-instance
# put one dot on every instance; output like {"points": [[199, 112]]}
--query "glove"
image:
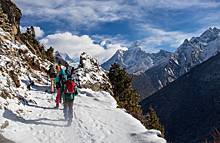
{"points": [[60, 101]]}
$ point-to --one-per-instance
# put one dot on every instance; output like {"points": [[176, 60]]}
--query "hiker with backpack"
{"points": [[52, 74], [60, 80], [68, 91], [67, 70], [58, 68]]}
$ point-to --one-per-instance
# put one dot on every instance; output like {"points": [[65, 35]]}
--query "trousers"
{"points": [[52, 85], [68, 109]]}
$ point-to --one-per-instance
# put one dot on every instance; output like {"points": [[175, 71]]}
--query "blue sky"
{"points": [[101, 27]]}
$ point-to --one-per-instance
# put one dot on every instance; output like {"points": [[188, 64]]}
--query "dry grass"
{"points": [[4, 125], [4, 94], [15, 78]]}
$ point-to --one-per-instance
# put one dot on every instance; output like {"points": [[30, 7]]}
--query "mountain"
{"points": [[65, 58], [27, 110], [136, 59], [191, 53], [189, 107]]}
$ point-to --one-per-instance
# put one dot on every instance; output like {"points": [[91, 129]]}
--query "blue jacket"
{"points": [[62, 71]]}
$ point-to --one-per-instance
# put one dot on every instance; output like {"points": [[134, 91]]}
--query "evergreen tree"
{"points": [[32, 31], [152, 121], [122, 89], [43, 52], [50, 56], [127, 98], [67, 64], [60, 62], [4, 22]]}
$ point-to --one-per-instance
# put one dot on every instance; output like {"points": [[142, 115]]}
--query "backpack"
{"points": [[52, 71], [62, 80], [58, 68], [70, 87]]}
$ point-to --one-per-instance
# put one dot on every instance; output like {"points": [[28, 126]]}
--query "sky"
{"points": [[101, 27]]}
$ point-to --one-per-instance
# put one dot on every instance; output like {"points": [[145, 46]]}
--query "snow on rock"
{"points": [[89, 74]]}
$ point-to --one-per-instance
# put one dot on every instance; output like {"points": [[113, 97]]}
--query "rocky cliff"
{"points": [[14, 15]]}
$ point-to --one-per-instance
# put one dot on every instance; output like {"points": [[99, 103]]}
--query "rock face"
{"points": [[14, 15], [89, 74], [136, 59], [189, 107], [191, 53]]}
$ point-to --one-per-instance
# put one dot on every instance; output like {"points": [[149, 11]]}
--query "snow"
{"points": [[32, 117], [96, 119]]}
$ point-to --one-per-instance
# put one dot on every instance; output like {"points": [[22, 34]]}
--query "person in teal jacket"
{"points": [[68, 100], [62, 72]]}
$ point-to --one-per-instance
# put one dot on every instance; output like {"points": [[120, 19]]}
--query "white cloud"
{"points": [[161, 37], [38, 32], [74, 46], [178, 4]]}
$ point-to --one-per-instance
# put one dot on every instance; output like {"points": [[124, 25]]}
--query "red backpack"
{"points": [[70, 87]]}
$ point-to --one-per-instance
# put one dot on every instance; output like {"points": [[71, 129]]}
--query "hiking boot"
{"points": [[57, 106]]}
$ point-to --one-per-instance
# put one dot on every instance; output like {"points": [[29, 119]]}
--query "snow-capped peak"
{"points": [[136, 45], [210, 34], [65, 58]]}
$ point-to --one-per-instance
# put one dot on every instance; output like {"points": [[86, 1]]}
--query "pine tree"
{"points": [[67, 64], [127, 98], [60, 62], [50, 56], [152, 121], [122, 89], [4, 22]]}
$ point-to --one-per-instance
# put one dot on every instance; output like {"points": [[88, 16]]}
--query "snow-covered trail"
{"points": [[96, 120]]}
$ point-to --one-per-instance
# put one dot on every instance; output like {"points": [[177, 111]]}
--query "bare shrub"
{"points": [[4, 125], [15, 78], [4, 94]]}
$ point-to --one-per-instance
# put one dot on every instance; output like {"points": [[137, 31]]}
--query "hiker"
{"points": [[52, 74], [67, 71], [60, 79], [58, 68], [68, 92]]}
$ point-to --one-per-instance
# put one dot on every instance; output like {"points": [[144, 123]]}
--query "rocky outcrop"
{"points": [[14, 15], [89, 74]]}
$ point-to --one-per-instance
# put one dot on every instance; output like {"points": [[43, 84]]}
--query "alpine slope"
{"points": [[96, 120]]}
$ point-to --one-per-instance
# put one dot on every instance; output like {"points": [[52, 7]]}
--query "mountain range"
{"points": [[191, 53], [189, 107], [136, 59], [59, 56]]}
